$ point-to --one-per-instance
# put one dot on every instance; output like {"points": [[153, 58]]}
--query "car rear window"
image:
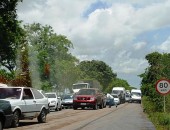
{"points": [[86, 92], [12, 93], [50, 95]]}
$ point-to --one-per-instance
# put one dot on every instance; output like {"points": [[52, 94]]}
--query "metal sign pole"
{"points": [[164, 103]]}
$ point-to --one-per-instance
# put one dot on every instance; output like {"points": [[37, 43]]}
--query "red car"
{"points": [[88, 97]]}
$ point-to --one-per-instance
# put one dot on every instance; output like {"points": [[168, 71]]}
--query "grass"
{"points": [[161, 120]]}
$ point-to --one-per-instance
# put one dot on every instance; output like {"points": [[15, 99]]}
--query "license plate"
{"points": [[83, 103]]}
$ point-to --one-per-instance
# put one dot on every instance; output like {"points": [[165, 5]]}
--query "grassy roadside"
{"points": [[161, 120]]}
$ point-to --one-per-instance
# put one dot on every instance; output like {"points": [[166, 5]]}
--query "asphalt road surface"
{"points": [[128, 116]]}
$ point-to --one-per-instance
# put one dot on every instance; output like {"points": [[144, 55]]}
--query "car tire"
{"points": [[15, 121], [1, 128], [60, 108], [42, 117], [75, 108]]}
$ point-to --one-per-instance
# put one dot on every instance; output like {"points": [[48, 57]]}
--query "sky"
{"points": [[118, 32]]}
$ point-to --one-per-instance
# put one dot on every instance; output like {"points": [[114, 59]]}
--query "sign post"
{"points": [[163, 87]]}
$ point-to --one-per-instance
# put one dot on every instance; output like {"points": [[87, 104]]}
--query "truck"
{"points": [[85, 84], [120, 91]]}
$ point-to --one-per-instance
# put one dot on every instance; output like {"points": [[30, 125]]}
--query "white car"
{"points": [[26, 103], [54, 101], [116, 99]]}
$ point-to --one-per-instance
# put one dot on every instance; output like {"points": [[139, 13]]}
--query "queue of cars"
{"points": [[20, 103]]}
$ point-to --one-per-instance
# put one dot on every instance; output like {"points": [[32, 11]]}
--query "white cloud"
{"points": [[164, 47], [139, 45], [106, 34]]}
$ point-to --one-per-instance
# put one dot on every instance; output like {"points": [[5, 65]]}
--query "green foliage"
{"points": [[160, 119], [158, 69], [6, 75], [152, 101], [46, 86], [55, 64], [116, 82], [11, 34], [97, 70]]}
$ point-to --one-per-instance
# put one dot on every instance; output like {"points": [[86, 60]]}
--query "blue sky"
{"points": [[94, 6], [119, 32]]}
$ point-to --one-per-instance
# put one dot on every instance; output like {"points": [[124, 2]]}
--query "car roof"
{"points": [[16, 87], [50, 93], [3, 85], [91, 88]]}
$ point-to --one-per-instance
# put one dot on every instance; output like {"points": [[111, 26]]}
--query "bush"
{"points": [[161, 120], [164, 119]]}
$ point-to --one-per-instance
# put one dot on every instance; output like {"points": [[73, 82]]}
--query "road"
{"points": [[128, 116]]}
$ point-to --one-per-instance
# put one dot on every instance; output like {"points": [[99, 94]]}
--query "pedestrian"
{"points": [[111, 99]]}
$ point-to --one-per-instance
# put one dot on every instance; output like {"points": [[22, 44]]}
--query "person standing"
{"points": [[111, 100]]}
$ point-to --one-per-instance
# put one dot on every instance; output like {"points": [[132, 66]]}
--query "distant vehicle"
{"points": [[120, 91], [26, 103], [128, 97], [116, 99], [67, 101], [136, 95], [88, 97], [86, 84], [3, 85], [78, 86], [54, 101], [5, 114], [127, 91]]}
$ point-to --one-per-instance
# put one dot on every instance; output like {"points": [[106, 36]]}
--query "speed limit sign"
{"points": [[163, 86]]}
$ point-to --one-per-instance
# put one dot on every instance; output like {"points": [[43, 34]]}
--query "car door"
{"points": [[30, 103], [40, 100]]}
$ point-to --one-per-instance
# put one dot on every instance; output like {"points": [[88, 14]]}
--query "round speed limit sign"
{"points": [[163, 86]]}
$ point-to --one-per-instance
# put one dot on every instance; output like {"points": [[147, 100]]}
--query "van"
{"points": [[120, 91], [136, 95]]}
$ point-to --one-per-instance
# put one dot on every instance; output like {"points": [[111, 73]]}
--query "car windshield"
{"points": [[50, 95], [12, 93], [79, 86], [67, 97], [115, 96], [86, 92], [116, 91], [136, 94]]}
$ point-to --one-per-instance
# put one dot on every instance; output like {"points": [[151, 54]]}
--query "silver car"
{"points": [[26, 103]]}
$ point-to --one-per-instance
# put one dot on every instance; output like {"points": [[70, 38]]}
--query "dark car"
{"points": [[88, 97], [67, 101], [5, 114]]}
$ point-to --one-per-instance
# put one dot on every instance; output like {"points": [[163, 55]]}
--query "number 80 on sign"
{"points": [[163, 86]]}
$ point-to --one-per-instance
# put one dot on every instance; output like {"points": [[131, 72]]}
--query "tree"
{"points": [[49, 54], [97, 70], [158, 68], [116, 82], [11, 33]]}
